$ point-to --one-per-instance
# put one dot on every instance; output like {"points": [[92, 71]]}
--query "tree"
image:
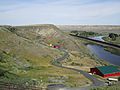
{"points": [[116, 35], [113, 36], [74, 33]]}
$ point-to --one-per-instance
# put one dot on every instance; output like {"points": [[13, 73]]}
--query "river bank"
{"points": [[101, 53]]}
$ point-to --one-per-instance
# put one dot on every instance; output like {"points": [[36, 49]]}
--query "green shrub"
{"points": [[2, 72], [84, 33]]}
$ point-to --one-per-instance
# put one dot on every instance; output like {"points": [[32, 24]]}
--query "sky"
{"points": [[26, 12]]}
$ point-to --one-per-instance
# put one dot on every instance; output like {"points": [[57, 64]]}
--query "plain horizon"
{"points": [[61, 24], [70, 12]]}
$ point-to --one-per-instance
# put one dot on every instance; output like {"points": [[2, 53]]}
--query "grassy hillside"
{"points": [[25, 56]]}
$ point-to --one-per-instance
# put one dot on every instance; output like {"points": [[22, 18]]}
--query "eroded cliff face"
{"points": [[43, 31], [47, 34]]}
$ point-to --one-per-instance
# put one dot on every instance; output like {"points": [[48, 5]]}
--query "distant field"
{"points": [[95, 28]]}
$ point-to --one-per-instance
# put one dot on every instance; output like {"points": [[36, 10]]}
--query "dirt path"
{"points": [[96, 82]]}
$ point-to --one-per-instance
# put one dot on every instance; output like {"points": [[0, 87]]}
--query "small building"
{"points": [[106, 71], [56, 46]]}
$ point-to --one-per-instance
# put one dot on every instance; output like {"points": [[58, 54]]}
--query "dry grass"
{"points": [[32, 60]]}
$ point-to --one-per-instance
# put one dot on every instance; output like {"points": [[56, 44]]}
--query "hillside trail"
{"points": [[95, 81]]}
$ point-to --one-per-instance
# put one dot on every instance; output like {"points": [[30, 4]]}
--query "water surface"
{"points": [[99, 38], [103, 54]]}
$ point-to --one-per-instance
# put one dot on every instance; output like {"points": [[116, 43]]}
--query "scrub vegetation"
{"points": [[26, 56], [113, 38], [85, 33]]}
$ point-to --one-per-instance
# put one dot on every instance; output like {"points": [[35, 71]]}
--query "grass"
{"points": [[83, 59], [39, 69], [25, 58], [26, 61], [112, 50], [114, 87], [117, 41]]}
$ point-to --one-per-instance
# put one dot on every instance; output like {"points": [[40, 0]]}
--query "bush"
{"points": [[84, 33], [1, 58], [113, 36], [2, 72]]}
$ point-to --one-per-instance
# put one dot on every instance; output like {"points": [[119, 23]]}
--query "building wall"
{"points": [[96, 71], [112, 74]]}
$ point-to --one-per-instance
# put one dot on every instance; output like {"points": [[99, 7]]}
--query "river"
{"points": [[101, 53], [99, 38]]}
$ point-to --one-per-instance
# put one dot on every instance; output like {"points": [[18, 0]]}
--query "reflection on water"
{"points": [[105, 55], [99, 38]]}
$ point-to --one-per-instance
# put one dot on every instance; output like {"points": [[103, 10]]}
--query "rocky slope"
{"points": [[26, 54], [47, 34]]}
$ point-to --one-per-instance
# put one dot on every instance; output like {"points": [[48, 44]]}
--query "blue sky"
{"points": [[20, 12]]}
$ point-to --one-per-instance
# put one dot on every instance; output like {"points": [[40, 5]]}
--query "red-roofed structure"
{"points": [[106, 71]]}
